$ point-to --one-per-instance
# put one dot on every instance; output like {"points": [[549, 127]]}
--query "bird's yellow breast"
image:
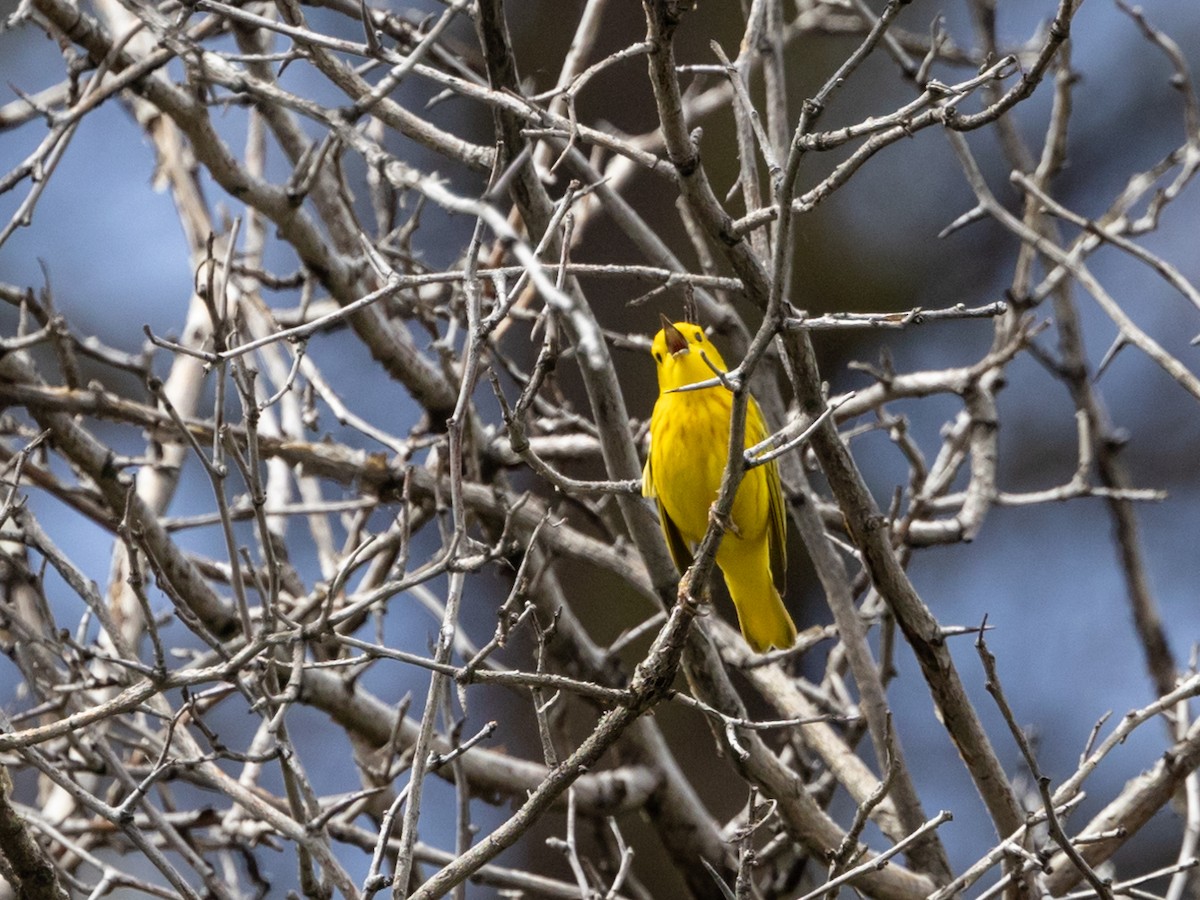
{"points": [[689, 443]]}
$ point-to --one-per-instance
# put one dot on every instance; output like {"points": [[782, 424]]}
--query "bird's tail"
{"points": [[761, 614]]}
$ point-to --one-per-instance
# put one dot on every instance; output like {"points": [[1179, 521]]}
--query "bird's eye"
{"points": [[658, 357], [699, 337]]}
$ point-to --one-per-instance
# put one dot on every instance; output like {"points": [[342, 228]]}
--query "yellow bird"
{"points": [[689, 444]]}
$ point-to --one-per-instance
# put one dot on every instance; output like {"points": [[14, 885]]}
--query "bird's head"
{"points": [[680, 350]]}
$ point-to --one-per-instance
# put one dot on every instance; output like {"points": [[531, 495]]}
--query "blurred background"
{"points": [[1047, 577]]}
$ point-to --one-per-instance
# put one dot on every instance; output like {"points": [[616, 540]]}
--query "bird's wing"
{"points": [[776, 511], [681, 553], [777, 527]]}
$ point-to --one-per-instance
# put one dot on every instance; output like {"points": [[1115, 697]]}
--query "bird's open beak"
{"points": [[676, 342]]}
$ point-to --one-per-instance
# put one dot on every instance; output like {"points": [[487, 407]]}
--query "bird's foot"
{"points": [[725, 522], [699, 604]]}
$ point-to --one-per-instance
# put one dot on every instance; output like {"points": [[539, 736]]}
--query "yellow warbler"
{"points": [[689, 443]]}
